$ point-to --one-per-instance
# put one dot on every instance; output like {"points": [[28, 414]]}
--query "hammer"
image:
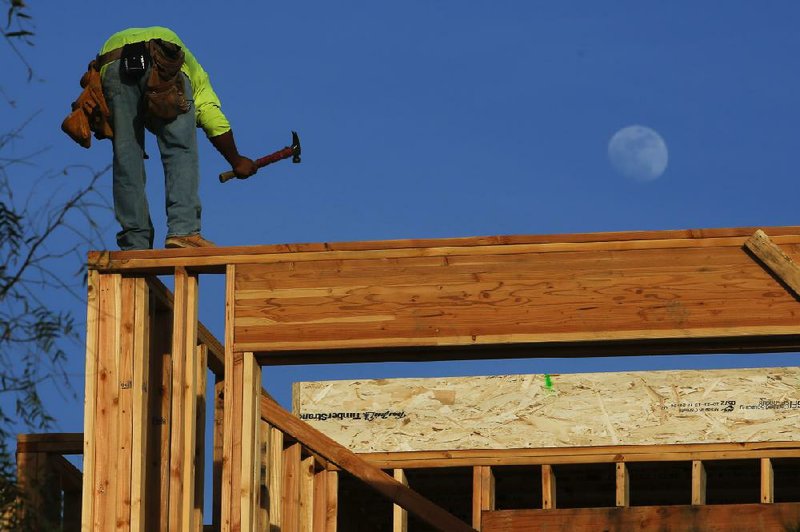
{"points": [[292, 151]]}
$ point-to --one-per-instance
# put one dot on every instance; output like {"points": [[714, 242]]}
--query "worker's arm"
{"points": [[226, 145]]}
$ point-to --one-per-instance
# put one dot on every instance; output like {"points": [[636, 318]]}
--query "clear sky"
{"points": [[424, 119]]}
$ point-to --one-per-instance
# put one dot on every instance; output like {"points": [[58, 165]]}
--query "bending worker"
{"points": [[151, 80]]}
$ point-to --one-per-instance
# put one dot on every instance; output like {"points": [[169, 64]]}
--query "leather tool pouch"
{"points": [[90, 112], [165, 97], [134, 60]]}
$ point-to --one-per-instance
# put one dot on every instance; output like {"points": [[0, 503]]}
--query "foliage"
{"points": [[18, 29], [47, 222]]}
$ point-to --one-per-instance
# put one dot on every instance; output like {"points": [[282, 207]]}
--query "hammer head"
{"points": [[295, 147]]}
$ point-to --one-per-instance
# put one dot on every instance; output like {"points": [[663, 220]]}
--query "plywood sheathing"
{"points": [[570, 410]]}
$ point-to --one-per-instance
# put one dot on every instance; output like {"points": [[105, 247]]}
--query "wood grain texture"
{"points": [[713, 518], [376, 479], [767, 481], [698, 483], [213, 260], [583, 455], [623, 495], [538, 411], [775, 259], [524, 297]]}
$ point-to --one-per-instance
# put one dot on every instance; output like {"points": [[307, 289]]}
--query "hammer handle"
{"points": [[279, 155]]}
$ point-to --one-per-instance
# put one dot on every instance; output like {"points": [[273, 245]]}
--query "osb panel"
{"points": [[533, 411], [495, 298]]}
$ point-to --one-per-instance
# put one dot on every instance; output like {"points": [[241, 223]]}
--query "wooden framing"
{"points": [[701, 291]]}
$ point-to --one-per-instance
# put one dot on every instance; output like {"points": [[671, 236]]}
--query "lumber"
{"points": [[214, 260], [104, 493], [140, 402], [56, 443], [123, 453], [291, 488], [775, 260], [216, 501], [698, 483], [276, 475], [90, 399], [623, 495], [399, 515], [320, 511], [229, 520], [548, 487], [250, 443], [199, 453], [482, 493], [332, 501], [306, 498], [372, 476], [767, 482], [528, 297], [184, 403], [712, 518]]}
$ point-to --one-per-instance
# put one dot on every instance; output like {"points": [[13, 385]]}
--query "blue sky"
{"points": [[443, 119]]}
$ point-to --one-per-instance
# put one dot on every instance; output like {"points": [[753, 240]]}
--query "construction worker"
{"points": [[151, 80]]}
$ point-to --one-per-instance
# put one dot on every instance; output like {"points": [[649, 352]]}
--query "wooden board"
{"points": [[714, 518], [488, 295], [539, 411]]}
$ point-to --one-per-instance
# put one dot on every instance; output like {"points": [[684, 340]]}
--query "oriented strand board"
{"points": [[533, 411]]}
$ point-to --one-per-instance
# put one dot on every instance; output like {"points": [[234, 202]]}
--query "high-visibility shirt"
{"points": [[208, 112]]}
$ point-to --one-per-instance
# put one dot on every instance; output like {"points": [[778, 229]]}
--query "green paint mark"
{"points": [[548, 382]]}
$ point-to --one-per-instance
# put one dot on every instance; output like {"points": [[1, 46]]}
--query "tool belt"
{"points": [[90, 112], [164, 96]]}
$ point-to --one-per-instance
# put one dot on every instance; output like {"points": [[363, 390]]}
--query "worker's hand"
{"points": [[244, 167]]}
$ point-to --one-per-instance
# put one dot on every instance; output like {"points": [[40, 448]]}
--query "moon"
{"points": [[638, 153]]}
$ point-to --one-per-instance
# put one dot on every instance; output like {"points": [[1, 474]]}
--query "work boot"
{"points": [[188, 241]]}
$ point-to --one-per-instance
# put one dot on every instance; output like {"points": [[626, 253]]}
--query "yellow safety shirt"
{"points": [[208, 112]]}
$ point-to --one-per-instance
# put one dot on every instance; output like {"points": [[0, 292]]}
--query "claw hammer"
{"points": [[292, 151]]}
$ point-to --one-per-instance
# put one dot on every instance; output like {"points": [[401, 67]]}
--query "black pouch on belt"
{"points": [[134, 60]]}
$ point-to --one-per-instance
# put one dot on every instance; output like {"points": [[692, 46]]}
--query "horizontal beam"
{"points": [[753, 517], [373, 477], [583, 455], [56, 443], [214, 260], [661, 293], [768, 341]]}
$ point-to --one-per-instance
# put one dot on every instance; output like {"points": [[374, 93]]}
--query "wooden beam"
{"points": [[306, 499], [216, 500], [199, 455], [276, 475], [775, 260], [332, 501], [767, 482], [563, 296], [90, 399], [583, 455], [698, 483], [482, 493], [548, 487], [214, 260], [750, 517], [55, 443], [320, 518], [263, 483], [370, 475], [250, 445], [106, 434], [183, 433], [140, 402], [623, 485], [290, 510], [399, 515]]}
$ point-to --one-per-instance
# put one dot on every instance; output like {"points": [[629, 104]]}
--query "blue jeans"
{"points": [[177, 143]]}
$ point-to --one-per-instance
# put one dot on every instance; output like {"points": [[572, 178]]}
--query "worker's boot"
{"points": [[188, 241]]}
